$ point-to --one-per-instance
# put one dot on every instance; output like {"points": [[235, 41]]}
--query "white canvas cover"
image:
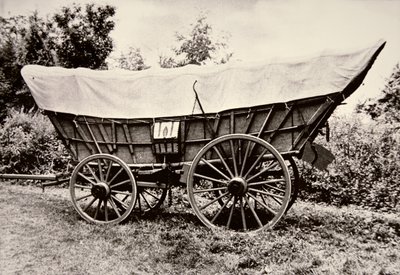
{"points": [[168, 92]]}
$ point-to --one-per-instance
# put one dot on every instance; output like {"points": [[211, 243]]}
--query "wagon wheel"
{"points": [[295, 178], [246, 174], [103, 189], [149, 198]]}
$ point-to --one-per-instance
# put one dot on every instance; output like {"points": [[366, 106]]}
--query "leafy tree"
{"points": [[167, 62], [12, 47], [197, 47], [76, 37], [133, 61], [83, 35], [387, 106]]}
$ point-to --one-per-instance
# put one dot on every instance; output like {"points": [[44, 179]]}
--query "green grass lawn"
{"points": [[40, 233]]}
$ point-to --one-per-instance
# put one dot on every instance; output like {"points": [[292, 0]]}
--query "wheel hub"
{"points": [[237, 186], [100, 190]]}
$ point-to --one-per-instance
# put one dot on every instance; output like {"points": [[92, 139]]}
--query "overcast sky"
{"points": [[258, 29]]}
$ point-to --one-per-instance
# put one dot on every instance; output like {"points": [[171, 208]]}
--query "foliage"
{"points": [[72, 38], [28, 144], [12, 46], [365, 172], [83, 35], [198, 47], [132, 61], [387, 107]]}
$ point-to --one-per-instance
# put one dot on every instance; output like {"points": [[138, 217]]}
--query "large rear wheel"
{"points": [[239, 182]]}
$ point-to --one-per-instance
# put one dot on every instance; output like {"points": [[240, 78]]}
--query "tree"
{"points": [[13, 52], [387, 106], [83, 35], [76, 38], [132, 61], [198, 47]]}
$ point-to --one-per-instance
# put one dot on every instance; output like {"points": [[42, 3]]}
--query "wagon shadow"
{"points": [[175, 218]]}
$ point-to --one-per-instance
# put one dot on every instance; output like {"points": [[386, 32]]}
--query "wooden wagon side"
{"points": [[286, 126]]}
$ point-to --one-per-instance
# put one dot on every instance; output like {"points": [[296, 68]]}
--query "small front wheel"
{"points": [[239, 182], [103, 189]]}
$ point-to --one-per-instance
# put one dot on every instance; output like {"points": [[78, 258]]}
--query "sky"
{"points": [[258, 29]]}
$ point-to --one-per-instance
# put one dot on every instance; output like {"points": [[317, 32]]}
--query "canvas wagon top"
{"points": [[168, 92]]}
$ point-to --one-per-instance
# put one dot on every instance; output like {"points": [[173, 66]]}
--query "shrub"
{"points": [[28, 144], [365, 172]]}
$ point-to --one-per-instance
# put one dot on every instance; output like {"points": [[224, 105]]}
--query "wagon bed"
{"points": [[231, 140]]}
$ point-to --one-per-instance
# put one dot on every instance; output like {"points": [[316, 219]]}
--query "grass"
{"points": [[42, 234]]}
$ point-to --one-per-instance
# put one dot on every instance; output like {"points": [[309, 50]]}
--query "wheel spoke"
{"points": [[228, 224], [120, 183], [82, 186], [209, 178], [223, 161], [83, 197], [242, 214], [245, 158], [92, 172], [274, 188], [97, 209], [233, 157], [145, 200], [255, 163], [121, 192], [266, 182], [266, 193], [114, 207], [263, 171], [209, 190], [150, 194], [116, 175], [120, 202], [105, 210], [108, 171], [215, 168], [222, 208], [239, 153], [254, 212], [263, 204], [86, 178], [90, 204], [214, 200], [100, 170], [138, 202]]}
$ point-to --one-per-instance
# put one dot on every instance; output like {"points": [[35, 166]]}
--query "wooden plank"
{"points": [[250, 119], [113, 135], [64, 135], [216, 123], [129, 140], [86, 141], [267, 118], [271, 137], [105, 137], [232, 123], [93, 137], [60, 129], [323, 108]]}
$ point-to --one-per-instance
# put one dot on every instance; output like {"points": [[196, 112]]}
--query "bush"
{"points": [[365, 172], [29, 144]]}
